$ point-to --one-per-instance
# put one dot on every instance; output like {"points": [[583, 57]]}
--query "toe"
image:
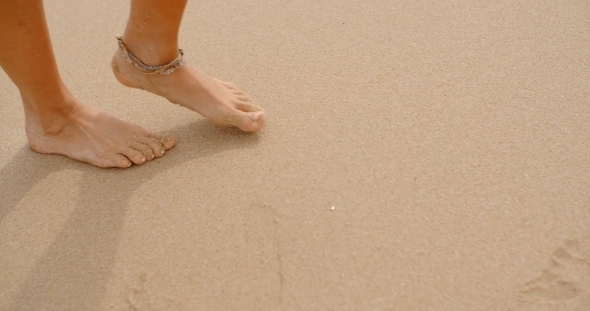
{"points": [[144, 148], [246, 121], [105, 160], [243, 98], [248, 107], [258, 120], [133, 155], [102, 163], [229, 85], [155, 146], [166, 140], [115, 160], [238, 92], [169, 142]]}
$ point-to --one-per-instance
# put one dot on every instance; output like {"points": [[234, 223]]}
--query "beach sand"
{"points": [[419, 155]]}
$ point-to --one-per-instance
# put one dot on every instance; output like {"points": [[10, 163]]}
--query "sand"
{"points": [[451, 138]]}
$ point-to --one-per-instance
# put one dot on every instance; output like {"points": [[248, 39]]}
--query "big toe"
{"points": [[251, 121], [134, 155], [113, 160], [166, 140]]}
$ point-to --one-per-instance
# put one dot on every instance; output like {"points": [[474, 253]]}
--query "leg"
{"points": [[152, 36], [57, 122]]}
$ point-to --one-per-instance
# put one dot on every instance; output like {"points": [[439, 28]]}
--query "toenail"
{"points": [[142, 159], [256, 116]]}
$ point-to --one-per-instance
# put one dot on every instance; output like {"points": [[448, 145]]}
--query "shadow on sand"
{"points": [[76, 267]]}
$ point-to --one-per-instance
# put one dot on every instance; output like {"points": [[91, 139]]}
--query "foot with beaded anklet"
{"points": [[148, 58]]}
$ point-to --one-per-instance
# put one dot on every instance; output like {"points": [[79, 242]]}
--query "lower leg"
{"points": [[27, 57], [152, 30], [152, 36], [56, 122]]}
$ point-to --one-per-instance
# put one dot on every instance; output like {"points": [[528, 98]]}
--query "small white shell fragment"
{"points": [[332, 208]]}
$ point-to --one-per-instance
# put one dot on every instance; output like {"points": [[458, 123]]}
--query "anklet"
{"points": [[147, 69]]}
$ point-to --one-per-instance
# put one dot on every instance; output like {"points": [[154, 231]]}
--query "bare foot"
{"points": [[90, 135], [221, 102]]}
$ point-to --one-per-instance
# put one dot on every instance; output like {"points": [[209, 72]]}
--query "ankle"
{"points": [[51, 118], [152, 50]]}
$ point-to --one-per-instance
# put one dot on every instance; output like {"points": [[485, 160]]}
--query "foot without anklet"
{"points": [[147, 69]]}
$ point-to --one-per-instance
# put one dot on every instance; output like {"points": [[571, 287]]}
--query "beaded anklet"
{"points": [[147, 69]]}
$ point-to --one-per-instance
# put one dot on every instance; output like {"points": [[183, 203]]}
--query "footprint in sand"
{"points": [[566, 281]]}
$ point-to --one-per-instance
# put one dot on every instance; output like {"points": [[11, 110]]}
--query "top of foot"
{"points": [[221, 102], [92, 136]]}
